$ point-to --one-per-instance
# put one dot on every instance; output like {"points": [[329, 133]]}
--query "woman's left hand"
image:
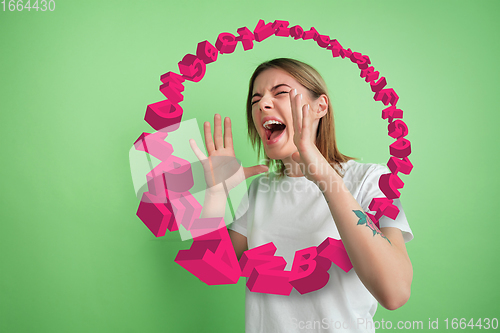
{"points": [[312, 163]]}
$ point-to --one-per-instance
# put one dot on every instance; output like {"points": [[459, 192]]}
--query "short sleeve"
{"points": [[370, 189]]}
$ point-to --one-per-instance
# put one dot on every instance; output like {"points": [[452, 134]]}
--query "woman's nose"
{"points": [[265, 104]]}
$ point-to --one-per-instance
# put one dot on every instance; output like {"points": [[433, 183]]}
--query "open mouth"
{"points": [[274, 129]]}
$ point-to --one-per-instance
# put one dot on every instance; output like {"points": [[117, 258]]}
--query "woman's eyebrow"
{"points": [[272, 89]]}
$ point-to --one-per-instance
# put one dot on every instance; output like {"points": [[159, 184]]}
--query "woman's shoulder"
{"points": [[362, 180], [357, 170], [260, 180]]}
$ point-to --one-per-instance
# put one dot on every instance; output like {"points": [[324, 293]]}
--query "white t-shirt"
{"points": [[293, 214]]}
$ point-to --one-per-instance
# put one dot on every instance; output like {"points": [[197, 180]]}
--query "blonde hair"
{"points": [[310, 79]]}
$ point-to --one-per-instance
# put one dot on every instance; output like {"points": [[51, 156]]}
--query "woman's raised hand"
{"points": [[221, 166], [312, 163]]}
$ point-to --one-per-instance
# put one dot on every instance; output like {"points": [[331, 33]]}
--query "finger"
{"points": [[293, 105], [306, 120], [197, 150], [296, 157], [298, 109], [254, 170], [218, 140], [208, 138], [228, 135]]}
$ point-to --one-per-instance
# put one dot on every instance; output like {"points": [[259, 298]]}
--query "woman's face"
{"points": [[272, 113]]}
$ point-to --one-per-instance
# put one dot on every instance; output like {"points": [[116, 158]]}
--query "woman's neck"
{"points": [[292, 168]]}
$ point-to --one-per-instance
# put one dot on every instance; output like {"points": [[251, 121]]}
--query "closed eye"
{"points": [[281, 92]]}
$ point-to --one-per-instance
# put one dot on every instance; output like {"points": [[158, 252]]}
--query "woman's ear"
{"points": [[322, 106]]}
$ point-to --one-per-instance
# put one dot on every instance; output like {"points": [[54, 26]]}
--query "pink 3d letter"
{"points": [[154, 144], [378, 85], [335, 47], [369, 74], [323, 41], [281, 28], [154, 209], [263, 31], [334, 250], [389, 184], [167, 183], [178, 174], [192, 68], [296, 32], [186, 209], [265, 271], [174, 174], [400, 148], [397, 129], [226, 43], [392, 112], [172, 87], [345, 53], [386, 96], [310, 34], [246, 38], [206, 52], [362, 60], [400, 165], [191, 208], [211, 257], [307, 274], [164, 115], [383, 206]]}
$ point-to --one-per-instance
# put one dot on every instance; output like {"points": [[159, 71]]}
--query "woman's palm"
{"points": [[221, 167]]}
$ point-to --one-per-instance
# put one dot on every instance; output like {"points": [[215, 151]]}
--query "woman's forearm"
{"points": [[214, 204], [380, 261]]}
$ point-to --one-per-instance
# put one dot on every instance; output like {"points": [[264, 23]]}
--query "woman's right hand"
{"points": [[221, 166]]}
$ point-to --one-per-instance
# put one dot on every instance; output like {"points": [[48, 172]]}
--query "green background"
{"points": [[74, 86]]}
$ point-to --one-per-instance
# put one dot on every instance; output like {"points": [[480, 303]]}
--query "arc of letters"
{"points": [[168, 202]]}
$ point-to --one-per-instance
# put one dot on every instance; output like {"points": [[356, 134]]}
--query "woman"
{"points": [[316, 192]]}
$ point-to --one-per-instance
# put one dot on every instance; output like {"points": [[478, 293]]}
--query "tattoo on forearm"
{"points": [[363, 219]]}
